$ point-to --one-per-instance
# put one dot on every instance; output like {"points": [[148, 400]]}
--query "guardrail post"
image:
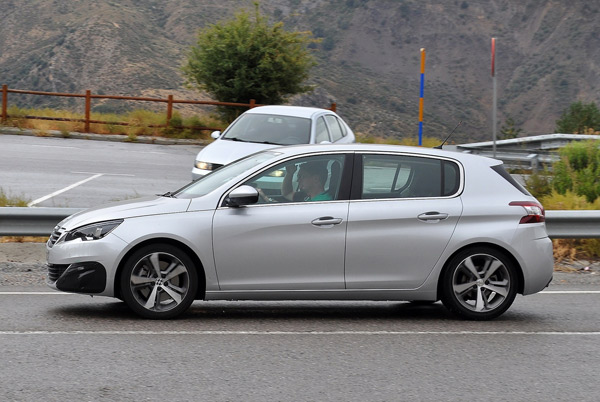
{"points": [[333, 107], [252, 103], [169, 109], [4, 102], [88, 106]]}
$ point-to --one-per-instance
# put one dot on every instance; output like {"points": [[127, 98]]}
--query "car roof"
{"points": [[361, 147], [296, 111]]}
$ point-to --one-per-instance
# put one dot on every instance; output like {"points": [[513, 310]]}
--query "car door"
{"points": [[402, 214], [283, 244]]}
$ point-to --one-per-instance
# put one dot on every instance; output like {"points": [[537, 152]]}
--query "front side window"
{"points": [[306, 179], [401, 176], [334, 126], [321, 132]]}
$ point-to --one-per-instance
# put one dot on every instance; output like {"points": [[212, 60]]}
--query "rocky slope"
{"points": [[547, 55]]}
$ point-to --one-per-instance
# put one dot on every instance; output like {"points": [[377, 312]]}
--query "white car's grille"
{"points": [[56, 233]]}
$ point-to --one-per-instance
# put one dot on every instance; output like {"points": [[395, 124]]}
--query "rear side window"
{"points": [[400, 176], [502, 172]]}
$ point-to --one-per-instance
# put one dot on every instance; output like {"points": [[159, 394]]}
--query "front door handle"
{"points": [[432, 216], [326, 221]]}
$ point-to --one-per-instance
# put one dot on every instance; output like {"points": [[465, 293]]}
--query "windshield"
{"points": [[221, 176], [270, 129]]}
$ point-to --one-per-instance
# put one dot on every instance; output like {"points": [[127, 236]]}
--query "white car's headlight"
{"points": [[204, 165], [94, 231]]}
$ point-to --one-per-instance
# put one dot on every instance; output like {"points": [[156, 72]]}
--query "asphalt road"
{"points": [[71, 347], [76, 173], [60, 347]]}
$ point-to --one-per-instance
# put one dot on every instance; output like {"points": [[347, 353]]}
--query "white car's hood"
{"points": [[224, 152], [126, 209]]}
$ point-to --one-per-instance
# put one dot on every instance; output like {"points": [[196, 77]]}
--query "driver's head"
{"points": [[313, 171]]}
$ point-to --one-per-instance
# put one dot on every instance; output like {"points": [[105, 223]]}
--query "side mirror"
{"points": [[215, 134], [243, 195]]}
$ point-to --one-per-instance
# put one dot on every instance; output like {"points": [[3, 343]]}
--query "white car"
{"points": [[345, 222], [266, 127]]}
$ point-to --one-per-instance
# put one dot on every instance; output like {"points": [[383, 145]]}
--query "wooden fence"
{"points": [[170, 101]]}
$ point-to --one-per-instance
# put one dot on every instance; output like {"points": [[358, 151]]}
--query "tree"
{"points": [[509, 129], [579, 118], [247, 58]]}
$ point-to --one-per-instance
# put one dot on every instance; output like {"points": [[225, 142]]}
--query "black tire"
{"points": [[159, 281], [479, 283]]}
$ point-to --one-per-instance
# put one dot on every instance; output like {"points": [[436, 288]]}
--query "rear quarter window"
{"points": [[502, 172]]}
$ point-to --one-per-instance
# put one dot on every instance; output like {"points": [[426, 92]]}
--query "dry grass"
{"points": [[140, 122], [7, 200], [23, 239]]}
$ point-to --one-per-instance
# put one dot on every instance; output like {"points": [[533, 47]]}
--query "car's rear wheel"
{"points": [[479, 284], [159, 281]]}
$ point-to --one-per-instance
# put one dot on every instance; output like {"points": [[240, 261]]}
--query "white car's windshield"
{"points": [[215, 179], [270, 129]]}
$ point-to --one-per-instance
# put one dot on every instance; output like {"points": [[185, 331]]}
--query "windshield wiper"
{"points": [[167, 194], [235, 139], [264, 142]]}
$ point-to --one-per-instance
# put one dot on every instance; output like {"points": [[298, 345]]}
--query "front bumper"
{"points": [[87, 267], [85, 277]]}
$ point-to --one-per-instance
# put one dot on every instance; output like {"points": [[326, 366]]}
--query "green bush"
{"points": [[579, 170]]}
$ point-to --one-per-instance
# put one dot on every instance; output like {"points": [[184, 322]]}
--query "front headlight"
{"points": [[204, 165], [94, 231]]}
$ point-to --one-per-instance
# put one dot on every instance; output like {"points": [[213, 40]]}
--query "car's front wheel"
{"points": [[479, 284], [159, 281]]}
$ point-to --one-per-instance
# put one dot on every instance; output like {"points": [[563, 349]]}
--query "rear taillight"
{"points": [[535, 212]]}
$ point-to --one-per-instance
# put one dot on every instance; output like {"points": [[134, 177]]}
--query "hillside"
{"points": [[547, 55]]}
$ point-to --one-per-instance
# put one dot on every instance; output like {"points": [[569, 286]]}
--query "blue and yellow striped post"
{"points": [[494, 95], [421, 96]]}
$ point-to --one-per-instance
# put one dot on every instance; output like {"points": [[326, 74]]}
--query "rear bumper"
{"points": [[539, 265]]}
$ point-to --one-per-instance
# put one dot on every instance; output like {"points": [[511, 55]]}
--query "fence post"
{"points": [[333, 107], [4, 102], [252, 103], [88, 106], [169, 109]]}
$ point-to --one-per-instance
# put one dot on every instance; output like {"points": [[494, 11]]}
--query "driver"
{"points": [[311, 182]]}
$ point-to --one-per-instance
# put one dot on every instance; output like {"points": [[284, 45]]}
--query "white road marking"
{"points": [[570, 292], [34, 293], [547, 292], [79, 183], [54, 146], [312, 333], [107, 174], [150, 152]]}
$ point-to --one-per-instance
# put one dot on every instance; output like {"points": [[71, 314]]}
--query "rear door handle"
{"points": [[326, 221], [432, 216]]}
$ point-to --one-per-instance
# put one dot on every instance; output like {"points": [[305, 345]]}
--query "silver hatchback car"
{"points": [[335, 222]]}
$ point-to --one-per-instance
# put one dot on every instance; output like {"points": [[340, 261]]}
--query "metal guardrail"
{"points": [[23, 221], [573, 224], [16, 221]]}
